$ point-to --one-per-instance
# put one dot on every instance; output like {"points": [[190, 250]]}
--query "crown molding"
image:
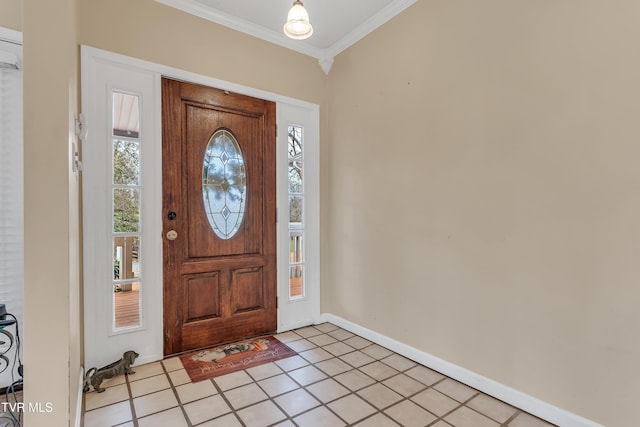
{"points": [[242, 25], [368, 26], [324, 56], [326, 63]]}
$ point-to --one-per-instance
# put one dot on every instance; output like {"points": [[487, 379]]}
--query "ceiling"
{"points": [[337, 24]]}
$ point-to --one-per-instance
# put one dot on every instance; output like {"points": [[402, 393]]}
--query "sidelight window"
{"points": [[126, 190], [296, 210]]}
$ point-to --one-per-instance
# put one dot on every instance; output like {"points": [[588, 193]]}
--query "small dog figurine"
{"points": [[95, 376]]}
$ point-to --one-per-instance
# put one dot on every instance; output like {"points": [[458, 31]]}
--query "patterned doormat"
{"points": [[213, 362]]}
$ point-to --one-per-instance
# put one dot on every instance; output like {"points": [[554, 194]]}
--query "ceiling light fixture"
{"points": [[298, 26]]}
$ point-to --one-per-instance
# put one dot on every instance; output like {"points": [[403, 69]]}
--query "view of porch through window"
{"points": [[296, 206], [126, 188]]}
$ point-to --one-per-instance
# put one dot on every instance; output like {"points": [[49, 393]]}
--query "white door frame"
{"points": [[298, 312], [102, 70], [103, 344]]}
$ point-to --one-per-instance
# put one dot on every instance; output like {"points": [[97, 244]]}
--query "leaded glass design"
{"points": [[224, 184], [295, 210]]}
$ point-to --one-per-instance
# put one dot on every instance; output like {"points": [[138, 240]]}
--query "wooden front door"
{"points": [[219, 216]]}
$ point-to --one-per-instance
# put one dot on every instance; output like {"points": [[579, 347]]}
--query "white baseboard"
{"points": [[79, 401], [148, 358], [297, 325], [502, 392]]}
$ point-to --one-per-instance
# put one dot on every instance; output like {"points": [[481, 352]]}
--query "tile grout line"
{"points": [[404, 398], [272, 398], [511, 418], [332, 377], [399, 372], [175, 394], [409, 397], [303, 387], [134, 417], [331, 372], [354, 392], [226, 400], [300, 385]]}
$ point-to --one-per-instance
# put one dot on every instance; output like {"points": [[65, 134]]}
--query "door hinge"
{"points": [[81, 128], [277, 302]]}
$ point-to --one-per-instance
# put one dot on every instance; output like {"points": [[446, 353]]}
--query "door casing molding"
{"points": [[90, 59]]}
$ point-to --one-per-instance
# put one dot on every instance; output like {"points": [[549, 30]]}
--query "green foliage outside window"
{"points": [[126, 172]]}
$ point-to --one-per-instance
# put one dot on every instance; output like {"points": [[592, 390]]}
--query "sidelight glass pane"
{"points": [[296, 289], [295, 209], [126, 210], [295, 177], [295, 247], [126, 257], [126, 162], [126, 191], [224, 184], [126, 115], [126, 305], [296, 206], [295, 141]]}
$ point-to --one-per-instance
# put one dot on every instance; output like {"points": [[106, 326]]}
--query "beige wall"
{"points": [[52, 34], [11, 15], [51, 290], [484, 196], [154, 32], [479, 172]]}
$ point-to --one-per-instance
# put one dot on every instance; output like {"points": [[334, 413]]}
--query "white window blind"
{"points": [[11, 197]]}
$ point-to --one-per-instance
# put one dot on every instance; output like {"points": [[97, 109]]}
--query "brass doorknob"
{"points": [[172, 235]]}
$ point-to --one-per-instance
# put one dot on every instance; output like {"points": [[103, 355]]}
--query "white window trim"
{"points": [[103, 343], [295, 313]]}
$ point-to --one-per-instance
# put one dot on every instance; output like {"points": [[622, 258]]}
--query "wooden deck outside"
{"points": [[127, 307], [295, 287]]}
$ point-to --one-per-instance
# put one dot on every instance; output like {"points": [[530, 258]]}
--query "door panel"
{"points": [[248, 290], [203, 297], [217, 289]]}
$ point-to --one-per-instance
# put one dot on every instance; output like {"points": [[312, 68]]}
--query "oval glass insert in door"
{"points": [[224, 184]]}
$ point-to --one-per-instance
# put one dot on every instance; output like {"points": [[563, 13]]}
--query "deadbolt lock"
{"points": [[172, 235]]}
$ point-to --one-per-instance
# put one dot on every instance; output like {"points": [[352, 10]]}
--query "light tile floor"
{"points": [[337, 379]]}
